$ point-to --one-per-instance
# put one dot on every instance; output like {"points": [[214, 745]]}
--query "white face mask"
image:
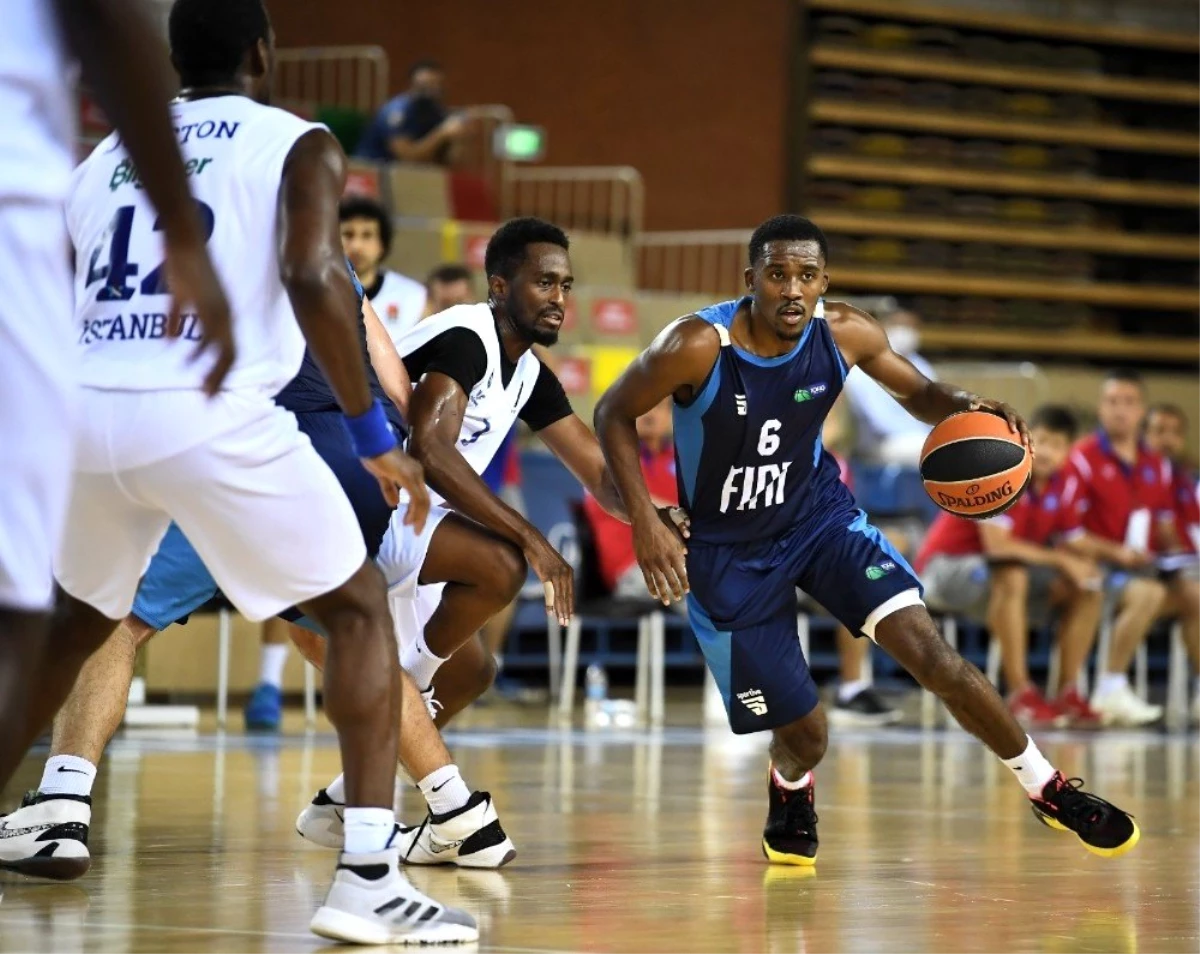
{"points": [[904, 339]]}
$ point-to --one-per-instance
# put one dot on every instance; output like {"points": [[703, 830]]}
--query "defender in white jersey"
{"points": [[124, 64], [235, 469], [475, 375]]}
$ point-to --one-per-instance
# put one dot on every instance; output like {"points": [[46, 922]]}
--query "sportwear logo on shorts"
{"points": [[880, 571], [753, 700], [807, 394]]}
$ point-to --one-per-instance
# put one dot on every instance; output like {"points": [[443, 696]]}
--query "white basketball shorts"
{"points": [[38, 399], [400, 557], [265, 513]]}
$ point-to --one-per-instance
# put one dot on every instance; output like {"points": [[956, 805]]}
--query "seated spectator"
{"points": [[414, 126], [885, 432], [446, 286], [1165, 427], [399, 301], [856, 703], [1012, 569], [614, 540], [1129, 519]]}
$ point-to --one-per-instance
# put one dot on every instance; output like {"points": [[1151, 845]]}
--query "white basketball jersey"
{"points": [[234, 150], [399, 303], [492, 406], [37, 114]]}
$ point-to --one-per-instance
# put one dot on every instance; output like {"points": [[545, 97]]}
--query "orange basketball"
{"points": [[974, 466]]}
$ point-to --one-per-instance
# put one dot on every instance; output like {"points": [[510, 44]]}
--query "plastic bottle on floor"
{"points": [[595, 695]]}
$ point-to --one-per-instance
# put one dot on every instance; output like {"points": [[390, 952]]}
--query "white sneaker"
{"points": [[470, 837], [1123, 707], [323, 821], [371, 902], [47, 836]]}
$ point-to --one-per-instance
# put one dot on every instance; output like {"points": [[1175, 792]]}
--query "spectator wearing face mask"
{"points": [[884, 431], [415, 126]]}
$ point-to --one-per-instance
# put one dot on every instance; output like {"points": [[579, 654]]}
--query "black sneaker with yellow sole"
{"points": [[1103, 828], [790, 835]]}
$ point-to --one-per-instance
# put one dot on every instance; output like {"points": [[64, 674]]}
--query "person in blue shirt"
{"points": [[414, 126], [752, 381]]}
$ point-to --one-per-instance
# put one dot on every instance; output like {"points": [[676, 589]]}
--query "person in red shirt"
{"points": [[614, 540], [1014, 568], [1165, 428], [1129, 519]]}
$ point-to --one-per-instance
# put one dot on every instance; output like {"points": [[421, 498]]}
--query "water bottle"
{"points": [[595, 692]]}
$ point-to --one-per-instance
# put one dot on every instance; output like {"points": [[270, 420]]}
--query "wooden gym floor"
{"points": [[641, 842]]}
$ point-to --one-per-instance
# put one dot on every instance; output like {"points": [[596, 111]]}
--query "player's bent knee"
{"points": [[506, 569], [1145, 595], [1011, 581], [804, 740]]}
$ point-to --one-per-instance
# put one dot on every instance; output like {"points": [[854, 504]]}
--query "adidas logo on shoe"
{"points": [[753, 700]]}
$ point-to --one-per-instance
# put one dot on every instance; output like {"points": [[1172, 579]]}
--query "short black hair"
{"points": [[506, 248], [424, 65], [1171, 410], [362, 207], [786, 228], [448, 274], [1056, 419], [1126, 376], [209, 38]]}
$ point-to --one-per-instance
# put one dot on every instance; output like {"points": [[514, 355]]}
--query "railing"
{"points": [[604, 199], [354, 77], [476, 152], [701, 262]]}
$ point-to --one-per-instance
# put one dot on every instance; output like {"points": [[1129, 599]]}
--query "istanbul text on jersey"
{"points": [[147, 326]]}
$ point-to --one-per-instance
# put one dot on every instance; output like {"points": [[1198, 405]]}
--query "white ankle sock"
{"points": [[368, 829], [337, 789], [1111, 682], [848, 690], [419, 661], [444, 789], [1031, 768], [271, 665], [67, 775], [804, 781]]}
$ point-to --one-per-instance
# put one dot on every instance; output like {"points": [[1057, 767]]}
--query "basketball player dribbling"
{"points": [[248, 490], [122, 61], [753, 380]]}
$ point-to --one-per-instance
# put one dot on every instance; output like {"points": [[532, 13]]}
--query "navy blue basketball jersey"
{"points": [[748, 450], [309, 391]]}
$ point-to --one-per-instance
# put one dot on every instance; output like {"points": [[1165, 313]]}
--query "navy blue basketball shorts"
{"points": [[742, 607], [177, 583]]}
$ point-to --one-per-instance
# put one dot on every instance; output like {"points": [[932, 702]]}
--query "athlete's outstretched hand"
{"points": [[396, 469], [660, 551], [193, 283], [558, 579]]}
